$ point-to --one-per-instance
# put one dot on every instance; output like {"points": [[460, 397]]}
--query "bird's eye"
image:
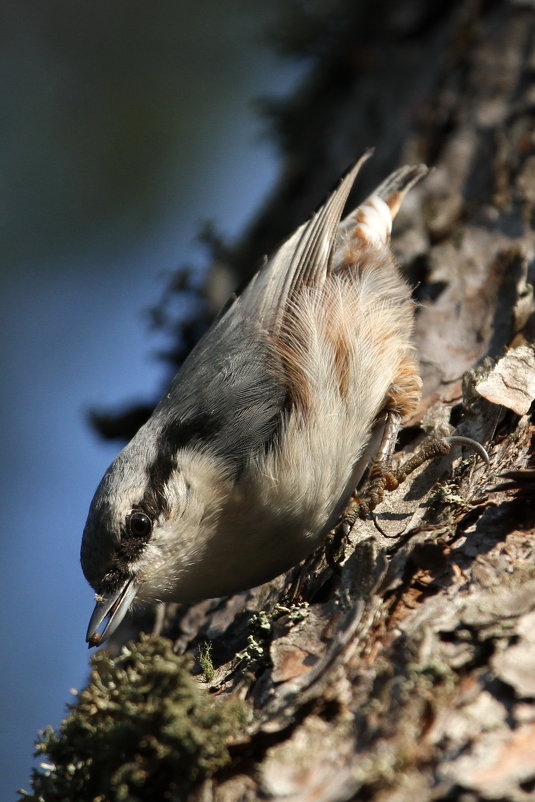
{"points": [[139, 524]]}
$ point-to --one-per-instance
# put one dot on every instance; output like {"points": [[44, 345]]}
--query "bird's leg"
{"points": [[437, 447], [381, 476]]}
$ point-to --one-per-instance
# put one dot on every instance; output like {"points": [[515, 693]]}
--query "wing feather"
{"points": [[248, 368], [305, 259]]}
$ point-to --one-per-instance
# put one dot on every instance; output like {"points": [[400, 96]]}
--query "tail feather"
{"points": [[375, 215], [395, 187]]}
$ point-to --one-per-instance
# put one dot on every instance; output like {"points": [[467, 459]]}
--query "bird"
{"points": [[250, 457]]}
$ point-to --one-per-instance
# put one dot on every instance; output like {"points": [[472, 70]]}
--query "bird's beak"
{"points": [[114, 608]]}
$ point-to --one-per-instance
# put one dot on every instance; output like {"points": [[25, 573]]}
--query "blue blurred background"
{"points": [[124, 125]]}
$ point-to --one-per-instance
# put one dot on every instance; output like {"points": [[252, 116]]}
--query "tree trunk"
{"points": [[400, 665]]}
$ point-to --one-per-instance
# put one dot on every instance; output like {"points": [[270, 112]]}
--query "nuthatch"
{"points": [[249, 459]]}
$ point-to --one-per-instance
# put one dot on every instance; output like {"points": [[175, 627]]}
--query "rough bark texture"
{"points": [[401, 666]]}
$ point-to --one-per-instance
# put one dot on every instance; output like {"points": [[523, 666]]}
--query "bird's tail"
{"points": [[374, 216]]}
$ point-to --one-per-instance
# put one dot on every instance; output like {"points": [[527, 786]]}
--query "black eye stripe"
{"points": [[174, 436]]}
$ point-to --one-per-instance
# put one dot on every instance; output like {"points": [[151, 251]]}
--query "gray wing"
{"points": [[225, 395], [305, 259]]}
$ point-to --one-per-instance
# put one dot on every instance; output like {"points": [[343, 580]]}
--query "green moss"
{"points": [[205, 661], [143, 729]]}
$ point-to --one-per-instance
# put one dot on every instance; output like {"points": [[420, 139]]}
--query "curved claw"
{"points": [[378, 526], [459, 440]]}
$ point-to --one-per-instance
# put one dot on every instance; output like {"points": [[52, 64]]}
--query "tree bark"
{"points": [[400, 665]]}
